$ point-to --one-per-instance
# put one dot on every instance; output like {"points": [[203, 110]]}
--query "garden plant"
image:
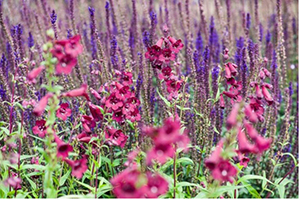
{"points": [[149, 99]]}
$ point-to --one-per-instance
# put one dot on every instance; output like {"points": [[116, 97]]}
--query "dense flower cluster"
{"points": [[160, 59], [132, 183], [66, 52], [121, 101], [165, 139]]}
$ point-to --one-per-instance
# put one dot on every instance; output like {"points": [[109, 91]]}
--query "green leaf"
{"points": [[19, 105], [64, 178], [294, 159], [30, 166], [182, 108], [32, 184], [251, 190], [249, 177], [23, 157], [86, 185], [164, 99], [281, 186], [216, 193], [187, 184]]}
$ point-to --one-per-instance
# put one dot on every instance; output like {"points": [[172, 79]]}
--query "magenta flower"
{"points": [[63, 112], [261, 143], [41, 105], [244, 145], [118, 116], [96, 112], [243, 160], [116, 137], [266, 94], [84, 137], [58, 51], [65, 65], [96, 94], [250, 114], [154, 52], [63, 148], [40, 129], [176, 44], [88, 123], [224, 171], [156, 186], [125, 184], [222, 102], [73, 47], [133, 115], [160, 153], [232, 117], [34, 73], [215, 157], [256, 106], [123, 93], [113, 102], [78, 166], [166, 56], [126, 78], [13, 182], [230, 70], [82, 91]]}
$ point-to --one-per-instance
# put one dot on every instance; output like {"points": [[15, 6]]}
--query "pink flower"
{"points": [[116, 137], [243, 160], [232, 117], [118, 116], [41, 105], [63, 148], [125, 184], [154, 52], [34, 73], [261, 143], [224, 171], [123, 93], [166, 56], [58, 51], [133, 115], [13, 182], [96, 94], [169, 132], [215, 157], [244, 145], [156, 186], [160, 153], [250, 114], [96, 112], [113, 102], [256, 106], [222, 102], [73, 47], [230, 70], [125, 78], [65, 65], [88, 123], [176, 44], [82, 91], [78, 166], [63, 112], [266, 94], [40, 129], [83, 137]]}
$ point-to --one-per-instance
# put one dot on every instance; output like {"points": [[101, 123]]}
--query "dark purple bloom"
{"points": [[53, 17], [248, 23], [30, 40]]}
